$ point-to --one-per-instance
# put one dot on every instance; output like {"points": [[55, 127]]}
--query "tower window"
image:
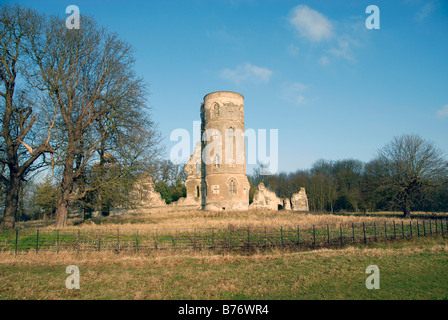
{"points": [[232, 187], [216, 110]]}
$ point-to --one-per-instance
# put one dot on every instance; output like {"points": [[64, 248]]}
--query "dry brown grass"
{"points": [[163, 219]]}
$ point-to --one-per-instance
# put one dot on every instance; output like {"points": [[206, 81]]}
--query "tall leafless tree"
{"points": [[22, 139], [410, 164], [89, 78]]}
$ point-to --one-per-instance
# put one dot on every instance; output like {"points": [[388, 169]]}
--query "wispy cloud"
{"points": [[247, 72], [294, 93], [443, 113], [311, 24], [426, 10]]}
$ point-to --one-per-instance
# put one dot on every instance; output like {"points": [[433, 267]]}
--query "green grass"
{"points": [[411, 269]]}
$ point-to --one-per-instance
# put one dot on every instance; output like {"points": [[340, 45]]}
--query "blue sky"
{"points": [[311, 69]]}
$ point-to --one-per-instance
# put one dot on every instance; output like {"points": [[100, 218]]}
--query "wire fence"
{"points": [[145, 240]]}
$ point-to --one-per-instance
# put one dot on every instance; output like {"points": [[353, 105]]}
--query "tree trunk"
{"points": [[12, 203], [407, 208], [64, 198]]}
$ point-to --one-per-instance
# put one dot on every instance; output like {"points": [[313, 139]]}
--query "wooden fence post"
{"points": [[281, 234], [340, 230], [17, 239], [395, 231], [364, 232], [136, 242], [374, 227], [402, 228], [353, 232], [265, 237], [385, 229], [418, 230], [118, 240]]}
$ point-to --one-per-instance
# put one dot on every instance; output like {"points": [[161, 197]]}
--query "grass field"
{"points": [[409, 269]]}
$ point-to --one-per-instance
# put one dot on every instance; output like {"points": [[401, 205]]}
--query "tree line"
{"points": [[408, 174]]}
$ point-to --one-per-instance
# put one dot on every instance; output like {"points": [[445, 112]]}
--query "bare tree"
{"points": [[410, 164], [21, 140], [88, 76]]}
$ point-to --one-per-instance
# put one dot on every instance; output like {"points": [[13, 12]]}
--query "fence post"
{"points": [[364, 232], [437, 231], [118, 240], [385, 229], [353, 232], [265, 238], [402, 228], [37, 240], [430, 227], [374, 227], [57, 241], [410, 227], [424, 228], [340, 230], [194, 239], [418, 230], [17, 237], [136, 242], [395, 231], [281, 234]]}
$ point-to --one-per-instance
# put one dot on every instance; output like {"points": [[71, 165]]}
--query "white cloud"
{"points": [[344, 48], [324, 61], [443, 113], [311, 24], [293, 93], [247, 72], [293, 50], [426, 10]]}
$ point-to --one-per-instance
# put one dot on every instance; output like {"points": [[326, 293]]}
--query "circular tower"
{"points": [[224, 182]]}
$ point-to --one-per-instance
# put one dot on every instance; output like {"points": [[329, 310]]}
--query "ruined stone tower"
{"points": [[223, 169]]}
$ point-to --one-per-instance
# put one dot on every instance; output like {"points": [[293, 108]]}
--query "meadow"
{"points": [[411, 268]]}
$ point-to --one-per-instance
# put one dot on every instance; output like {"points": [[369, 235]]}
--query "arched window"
{"points": [[216, 109], [232, 187], [230, 133]]}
